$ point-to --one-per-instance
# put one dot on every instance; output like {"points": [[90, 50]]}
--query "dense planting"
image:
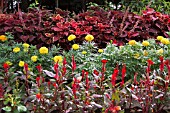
{"points": [[85, 78], [104, 25], [97, 61]]}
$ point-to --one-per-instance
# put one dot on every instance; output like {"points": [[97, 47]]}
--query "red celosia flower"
{"points": [[87, 81], [104, 61], [6, 67], [74, 87], [168, 66], [39, 68], [96, 72], [64, 67], [161, 66], [26, 67], [123, 74], [83, 72], [64, 62], [114, 76], [38, 96], [150, 62], [73, 64], [55, 85], [38, 81], [56, 71]]}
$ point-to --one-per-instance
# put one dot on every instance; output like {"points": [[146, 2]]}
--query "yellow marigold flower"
{"points": [[16, 49], [43, 50], [3, 38], [84, 52], [132, 42], [100, 50], [71, 37], [75, 46], [21, 63], [34, 58], [145, 43], [160, 38], [145, 53], [89, 37], [9, 63], [160, 51], [58, 59], [165, 41], [25, 45], [136, 55]]}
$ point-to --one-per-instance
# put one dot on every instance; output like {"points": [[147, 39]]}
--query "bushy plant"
{"points": [[50, 28], [74, 84]]}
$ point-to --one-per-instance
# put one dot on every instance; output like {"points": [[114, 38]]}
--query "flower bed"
{"points": [[86, 78], [42, 28]]}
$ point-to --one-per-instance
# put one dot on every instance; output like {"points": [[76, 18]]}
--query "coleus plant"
{"points": [[104, 25]]}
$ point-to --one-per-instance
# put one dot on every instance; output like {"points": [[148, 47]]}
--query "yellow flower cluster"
{"points": [[16, 49], [3, 38], [84, 52], [160, 38], [43, 50], [25, 45], [145, 43], [89, 37], [34, 58], [100, 50], [21, 63], [132, 42], [75, 46], [163, 40], [145, 53], [71, 37], [160, 51], [58, 59]]}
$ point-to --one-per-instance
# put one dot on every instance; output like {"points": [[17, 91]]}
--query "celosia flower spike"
{"points": [[123, 74], [114, 76], [161, 66], [73, 64]]}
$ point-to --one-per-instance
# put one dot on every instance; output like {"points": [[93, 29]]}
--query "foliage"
{"points": [[84, 82], [137, 6], [50, 28]]}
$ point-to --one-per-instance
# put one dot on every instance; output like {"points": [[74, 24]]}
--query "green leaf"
{"points": [[115, 96], [21, 108], [168, 33], [7, 108]]}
